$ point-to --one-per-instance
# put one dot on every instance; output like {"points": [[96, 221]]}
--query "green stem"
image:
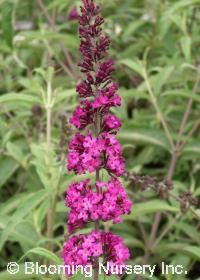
{"points": [[157, 108], [50, 213], [166, 231]]}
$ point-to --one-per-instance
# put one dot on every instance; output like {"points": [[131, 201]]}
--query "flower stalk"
{"points": [[95, 148], [48, 106]]}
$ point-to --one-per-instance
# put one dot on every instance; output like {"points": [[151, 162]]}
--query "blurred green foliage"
{"points": [[156, 47]]}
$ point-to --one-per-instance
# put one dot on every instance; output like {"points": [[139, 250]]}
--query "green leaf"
{"points": [[193, 251], [134, 65], [189, 230], [132, 27], [162, 78], [17, 154], [3, 221], [6, 22], [44, 253], [132, 93], [46, 165], [4, 275], [69, 40], [144, 136], [149, 207], [65, 95], [179, 5], [12, 203], [182, 93], [40, 213], [17, 97], [186, 47], [29, 203], [192, 148], [8, 167], [196, 213], [21, 234]]}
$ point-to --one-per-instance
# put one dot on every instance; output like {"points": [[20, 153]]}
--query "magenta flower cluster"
{"points": [[95, 148], [73, 14], [110, 203], [83, 249], [87, 153]]}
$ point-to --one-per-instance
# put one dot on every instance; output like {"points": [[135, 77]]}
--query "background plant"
{"points": [[155, 45]]}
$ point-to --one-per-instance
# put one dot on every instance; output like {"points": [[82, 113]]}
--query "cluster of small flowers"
{"points": [[89, 153], [85, 113], [96, 149], [83, 249], [73, 14], [87, 205], [101, 103]]}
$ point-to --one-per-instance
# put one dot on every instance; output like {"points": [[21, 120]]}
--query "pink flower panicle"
{"points": [[89, 153], [87, 205], [83, 249], [95, 149]]}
